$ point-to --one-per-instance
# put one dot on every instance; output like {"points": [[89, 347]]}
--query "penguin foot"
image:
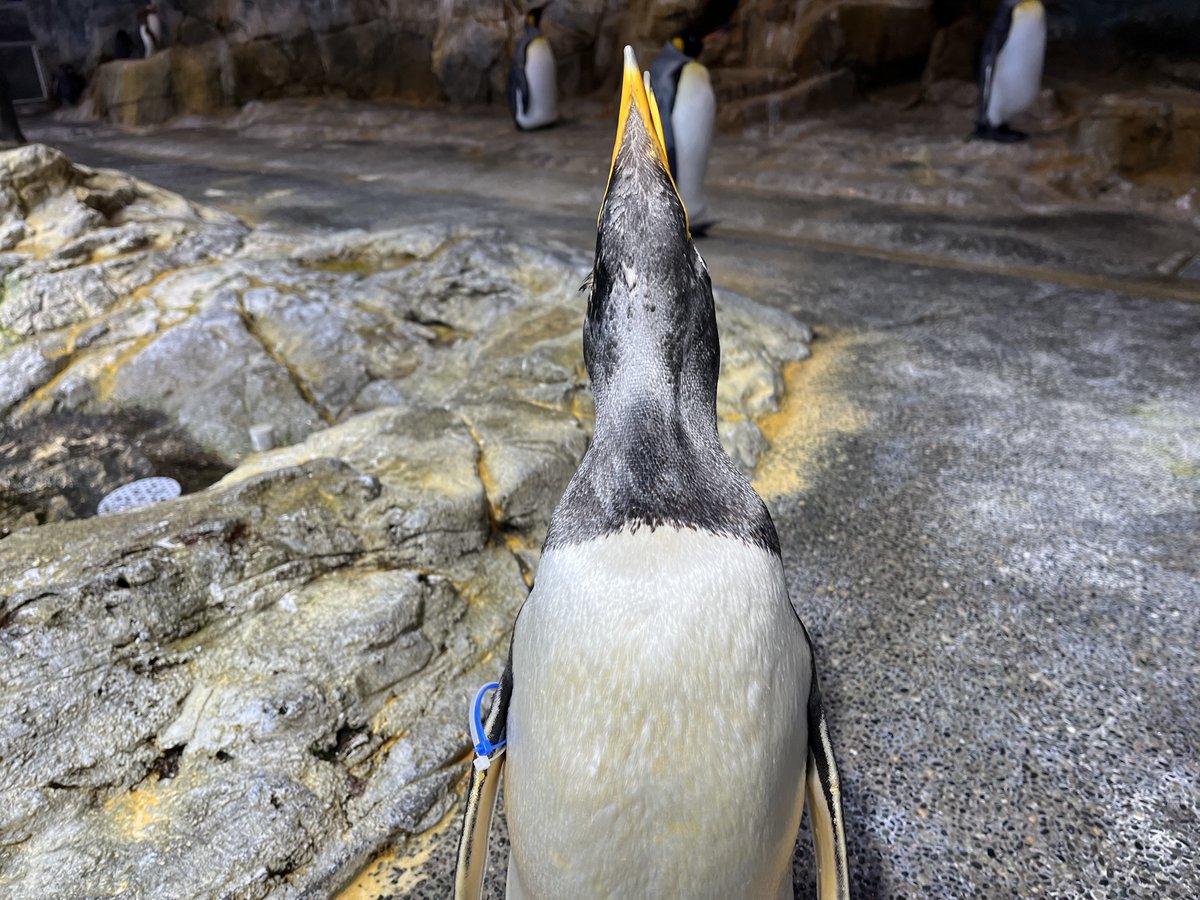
{"points": [[1011, 135], [541, 127], [1002, 134]]}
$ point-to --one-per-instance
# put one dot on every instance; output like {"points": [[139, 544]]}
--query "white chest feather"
{"points": [[542, 79], [1017, 76], [692, 119], [657, 730]]}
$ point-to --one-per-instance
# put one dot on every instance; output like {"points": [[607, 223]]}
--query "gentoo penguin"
{"points": [[151, 29], [660, 702], [1010, 73], [532, 78], [688, 108]]}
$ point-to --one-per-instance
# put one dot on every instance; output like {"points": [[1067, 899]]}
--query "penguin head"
{"points": [[689, 42], [533, 16], [650, 320]]}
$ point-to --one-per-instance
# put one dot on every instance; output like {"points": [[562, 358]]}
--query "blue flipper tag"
{"points": [[485, 750]]}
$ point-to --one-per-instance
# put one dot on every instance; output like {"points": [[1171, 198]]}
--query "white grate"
{"points": [[139, 493]]}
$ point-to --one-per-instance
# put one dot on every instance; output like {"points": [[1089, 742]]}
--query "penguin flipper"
{"points": [[823, 792], [997, 37], [829, 851], [481, 803], [518, 91], [518, 84]]}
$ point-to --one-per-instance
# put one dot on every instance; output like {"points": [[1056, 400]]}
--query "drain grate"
{"points": [[139, 493]]}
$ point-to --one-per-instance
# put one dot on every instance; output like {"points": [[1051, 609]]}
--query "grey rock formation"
{"points": [[250, 689]]}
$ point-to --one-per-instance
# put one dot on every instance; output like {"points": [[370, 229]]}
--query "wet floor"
{"points": [[996, 539]]}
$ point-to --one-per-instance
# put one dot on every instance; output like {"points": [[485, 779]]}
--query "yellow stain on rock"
{"points": [[815, 410], [399, 868], [133, 812]]}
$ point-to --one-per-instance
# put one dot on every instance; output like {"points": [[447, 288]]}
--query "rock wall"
{"points": [[226, 52]]}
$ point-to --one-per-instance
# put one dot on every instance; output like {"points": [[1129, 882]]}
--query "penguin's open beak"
{"points": [[640, 149]]}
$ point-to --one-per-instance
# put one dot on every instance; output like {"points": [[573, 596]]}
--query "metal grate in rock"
{"points": [[139, 493]]}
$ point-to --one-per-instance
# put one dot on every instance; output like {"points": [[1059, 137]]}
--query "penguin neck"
{"points": [[650, 385], [655, 458]]}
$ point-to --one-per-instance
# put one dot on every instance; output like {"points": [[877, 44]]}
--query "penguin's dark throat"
{"points": [[650, 337], [651, 349]]}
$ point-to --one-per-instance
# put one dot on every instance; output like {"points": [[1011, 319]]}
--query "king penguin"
{"points": [[532, 78], [688, 107], [1010, 72], [660, 703]]}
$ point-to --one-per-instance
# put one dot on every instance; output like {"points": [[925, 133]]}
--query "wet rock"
{"points": [[427, 465], [379, 59], [814, 37], [880, 36], [820, 93], [22, 370], [89, 238], [135, 91], [200, 78], [1185, 72], [520, 470], [239, 631], [1134, 135], [276, 67], [954, 53], [185, 373], [191, 32], [468, 54]]}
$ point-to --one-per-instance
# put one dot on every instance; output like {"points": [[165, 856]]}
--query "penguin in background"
{"points": [[10, 125], [68, 85], [659, 724], [1010, 73], [532, 77], [150, 29], [688, 108], [122, 45]]}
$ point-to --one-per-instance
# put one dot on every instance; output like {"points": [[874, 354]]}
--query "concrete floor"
{"points": [[995, 540]]}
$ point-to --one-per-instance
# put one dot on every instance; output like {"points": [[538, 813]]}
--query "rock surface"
{"points": [[248, 690]]}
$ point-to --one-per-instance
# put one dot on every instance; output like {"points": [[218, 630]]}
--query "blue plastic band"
{"points": [[483, 747]]}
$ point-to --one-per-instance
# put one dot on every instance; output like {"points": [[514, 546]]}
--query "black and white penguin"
{"points": [[688, 107], [532, 77], [150, 29], [660, 704], [1010, 73]]}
